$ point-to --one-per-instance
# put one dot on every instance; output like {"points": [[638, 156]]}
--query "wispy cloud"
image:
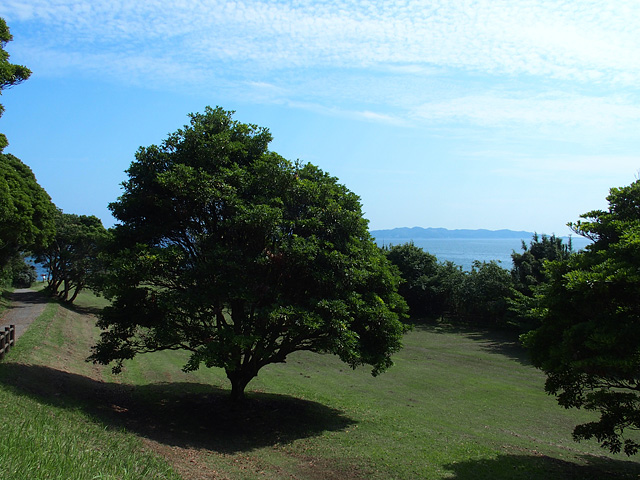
{"points": [[582, 40], [568, 110], [280, 51]]}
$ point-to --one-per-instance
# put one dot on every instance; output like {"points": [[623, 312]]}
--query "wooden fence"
{"points": [[7, 339]]}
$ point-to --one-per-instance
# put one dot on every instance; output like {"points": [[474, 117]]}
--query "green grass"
{"points": [[458, 404], [44, 441], [49, 432]]}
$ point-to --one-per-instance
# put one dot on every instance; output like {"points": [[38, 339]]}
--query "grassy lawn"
{"points": [[458, 404]]}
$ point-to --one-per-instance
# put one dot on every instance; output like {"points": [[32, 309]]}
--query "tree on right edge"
{"points": [[588, 343]]}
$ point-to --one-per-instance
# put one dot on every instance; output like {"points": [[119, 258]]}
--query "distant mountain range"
{"points": [[419, 232]]}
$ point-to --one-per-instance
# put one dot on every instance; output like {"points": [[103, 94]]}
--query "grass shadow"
{"points": [[25, 296], [504, 343], [80, 305], [500, 341], [79, 308], [515, 467], [188, 415]]}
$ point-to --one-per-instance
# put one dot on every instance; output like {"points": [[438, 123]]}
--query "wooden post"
{"points": [[3, 342], [7, 339]]}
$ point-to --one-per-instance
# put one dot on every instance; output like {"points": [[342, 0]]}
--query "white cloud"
{"points": [[579, 40], [383, 61], [591, 164], [135, 69], [380, 117], [365, 115], [588, 165]]}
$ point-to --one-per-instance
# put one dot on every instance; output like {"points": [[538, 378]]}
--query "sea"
{"points": [[41, 272], [461, 251], [464, 251]]}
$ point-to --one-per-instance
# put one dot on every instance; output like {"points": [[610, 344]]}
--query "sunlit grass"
{"points": [[456, 403], [43, 441]]}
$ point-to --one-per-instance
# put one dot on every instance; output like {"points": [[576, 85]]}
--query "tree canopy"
{"points": [[528, 273], [443, 289], [418, 269], [10, 74], [588, 343], [229, 251], [72, 258], [27, 215], [528, 266]]}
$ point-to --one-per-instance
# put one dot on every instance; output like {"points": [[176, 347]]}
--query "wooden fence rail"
{"points": [[7, 339]]}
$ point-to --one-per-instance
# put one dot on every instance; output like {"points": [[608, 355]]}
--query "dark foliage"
{"points": [[27, 215], [589, 309], [435, 289], [72, 258]]}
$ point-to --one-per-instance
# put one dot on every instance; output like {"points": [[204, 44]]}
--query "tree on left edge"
{"points": [[10, 74], [27, 215]]}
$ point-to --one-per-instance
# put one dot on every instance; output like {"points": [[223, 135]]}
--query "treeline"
{"points": [[488, 294], [33, 228], [70, 254]]}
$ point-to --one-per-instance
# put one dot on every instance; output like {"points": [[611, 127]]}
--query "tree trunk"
{"points": [[65, 291], [239, 380], [75, 294]]}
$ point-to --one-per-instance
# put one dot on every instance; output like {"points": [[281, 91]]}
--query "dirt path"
{"points": [[26, 306]]}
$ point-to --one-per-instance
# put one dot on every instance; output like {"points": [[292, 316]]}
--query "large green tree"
{"points": [[229, 251], [27, 215], [72, 258], [588, 343], [10, 74]]}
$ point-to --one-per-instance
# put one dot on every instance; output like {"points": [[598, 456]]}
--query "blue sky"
{"points": [[457, 114]]}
